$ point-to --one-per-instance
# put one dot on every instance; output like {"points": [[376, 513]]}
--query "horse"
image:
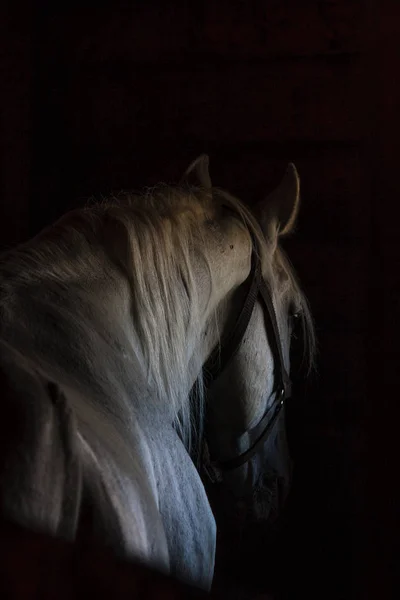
{"points": [[123, 343]]}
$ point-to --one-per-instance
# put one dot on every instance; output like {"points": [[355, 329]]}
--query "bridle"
{"points": [[257, 289]]}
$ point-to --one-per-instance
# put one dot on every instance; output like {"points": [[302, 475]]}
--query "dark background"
{"points": [[100, 96]]}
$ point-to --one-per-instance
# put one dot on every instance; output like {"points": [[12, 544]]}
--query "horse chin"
{"points": [[256, 508], [267, 500], [261, 491]]}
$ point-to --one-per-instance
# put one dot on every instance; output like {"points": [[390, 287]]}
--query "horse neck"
{"points": [[72, 319]]}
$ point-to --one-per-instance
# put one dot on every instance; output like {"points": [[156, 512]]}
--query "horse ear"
{"points": [[197, 173], [280, 208]]}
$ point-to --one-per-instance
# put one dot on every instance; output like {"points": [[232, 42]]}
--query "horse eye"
{"points": [[295, 315], [294, 319]]}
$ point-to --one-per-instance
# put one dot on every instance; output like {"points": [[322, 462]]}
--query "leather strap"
{"points": [[261, 431], [224, 353]]}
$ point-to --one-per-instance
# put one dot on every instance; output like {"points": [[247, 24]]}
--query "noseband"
{"points": [[257, 289]]}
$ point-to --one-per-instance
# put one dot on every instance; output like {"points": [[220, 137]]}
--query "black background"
{"points": [[100, 96]]}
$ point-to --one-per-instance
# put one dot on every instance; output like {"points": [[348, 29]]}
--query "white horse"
{"points": [[106, 320]]}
